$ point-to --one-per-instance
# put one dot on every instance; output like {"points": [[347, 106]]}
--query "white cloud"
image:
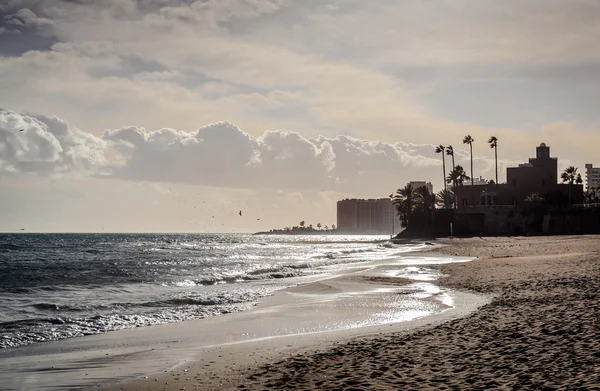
{"points": [[46, 144], [222, 154], [219, 154]]}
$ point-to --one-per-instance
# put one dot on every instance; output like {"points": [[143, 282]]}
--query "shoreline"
{"points": [[349, 300], [540, 330], [226, 366], [537, 328]]}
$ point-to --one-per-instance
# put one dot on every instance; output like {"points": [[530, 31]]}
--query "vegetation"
{"points": [[441, 149], [470, 140], [403, 202], [424, 199], [442, 196], [493, 141], [301, 228], [591, 195], [450, 152], [570, 176], [457, 177], [534, 198], [414, 206]]}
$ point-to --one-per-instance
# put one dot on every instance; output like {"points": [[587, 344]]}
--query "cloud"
{"points": [[47, 144], [222, 154], [219, 154]]}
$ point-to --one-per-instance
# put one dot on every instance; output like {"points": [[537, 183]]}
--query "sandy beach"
{"points": [[541, 330]]}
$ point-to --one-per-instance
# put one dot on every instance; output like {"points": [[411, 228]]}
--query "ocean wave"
{"points": [[42, 329], [11, 246], [81, 284]]}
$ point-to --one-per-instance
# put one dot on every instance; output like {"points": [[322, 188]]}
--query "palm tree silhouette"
{"points": [[403, 201], [443, 195], [450, 152], [493, 141], [470, 140], [570, 176], [441, 149], [423, 198], [458, 176]]}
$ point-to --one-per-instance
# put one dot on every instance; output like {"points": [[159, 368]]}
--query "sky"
{"points": [[174, 115]]}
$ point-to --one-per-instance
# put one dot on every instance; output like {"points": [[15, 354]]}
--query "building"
{"points": [[539, 175], [476, 182], [373, 216], [592, 178], [416, 184]]}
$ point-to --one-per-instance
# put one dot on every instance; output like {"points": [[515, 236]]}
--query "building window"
{"points": [[515, 201], [514, 182]]}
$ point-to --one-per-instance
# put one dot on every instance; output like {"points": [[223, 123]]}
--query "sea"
{"points": [[58, 286]]}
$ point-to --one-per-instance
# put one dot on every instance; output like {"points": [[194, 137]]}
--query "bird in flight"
{"points": [[22, 229], [21, 130], [240, 213]]}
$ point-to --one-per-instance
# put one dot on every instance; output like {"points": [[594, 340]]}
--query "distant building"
{"points": [[417, 184], [476, 182], [373, 216], [539, 175], [592, 178]]}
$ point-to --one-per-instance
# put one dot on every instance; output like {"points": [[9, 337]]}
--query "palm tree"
{"points": [[493, 141], [450, 152], [403, 201], [302, 224], [470, 140], [569, 175], [326, 228], [443, 195], [319, 226], [441, 149], [458, 176], [423, 198], [333, 226], [425, 202]]}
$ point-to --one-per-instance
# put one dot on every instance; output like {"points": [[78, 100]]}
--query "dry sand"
{"points": [[540, 331]]}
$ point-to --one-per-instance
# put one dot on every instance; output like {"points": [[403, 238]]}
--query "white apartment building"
{"points": [[592, 176]]}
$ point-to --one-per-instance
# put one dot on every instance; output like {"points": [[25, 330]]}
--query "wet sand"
{"points": [[541, 331]]}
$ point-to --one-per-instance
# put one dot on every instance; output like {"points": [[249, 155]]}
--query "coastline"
{"points": [[540, 331], [363, 300], [537, 329]]}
